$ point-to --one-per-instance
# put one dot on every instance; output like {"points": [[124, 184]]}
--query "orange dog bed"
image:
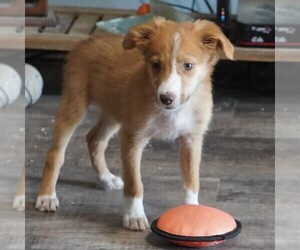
{"points": [[196, 226]]}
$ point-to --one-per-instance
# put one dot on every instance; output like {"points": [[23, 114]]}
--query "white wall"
{"points": [[133, 4]]}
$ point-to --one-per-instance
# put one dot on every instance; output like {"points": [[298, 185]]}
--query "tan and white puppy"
{"points": [[154, 82]]}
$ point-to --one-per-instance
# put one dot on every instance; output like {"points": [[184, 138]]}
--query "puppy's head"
{"points": [[179, 56]]}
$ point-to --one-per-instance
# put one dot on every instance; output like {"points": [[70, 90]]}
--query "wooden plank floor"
{"points": [[12, 155], [237, 175]]}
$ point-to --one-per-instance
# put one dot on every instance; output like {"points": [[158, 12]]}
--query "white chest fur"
{"points": [[171, 124]]}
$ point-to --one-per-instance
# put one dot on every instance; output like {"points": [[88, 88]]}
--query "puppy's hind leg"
{"points": [[71, 111], [97, 140], [19, 200]]}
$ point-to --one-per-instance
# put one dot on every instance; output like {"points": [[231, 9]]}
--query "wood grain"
{"points": [[12, 38], [237, 176], [12, 156], [93, 11], [254, 54], [39, 8], [63, 42], [51, 42], [84, 24], [64, 21], [32, 30]]}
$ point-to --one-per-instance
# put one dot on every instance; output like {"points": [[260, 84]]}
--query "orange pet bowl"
{"points": [[196, 226]]}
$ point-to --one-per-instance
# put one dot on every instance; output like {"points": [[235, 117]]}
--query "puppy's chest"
{"points": [[171, 124]]}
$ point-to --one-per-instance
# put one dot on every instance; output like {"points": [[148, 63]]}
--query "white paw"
{"points": [[47, 203], [191, 197], [19, 203], [135, 224], [110, 182], [134, 217]]}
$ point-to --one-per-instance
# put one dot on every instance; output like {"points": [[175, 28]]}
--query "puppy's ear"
{"points": [[212, 38], [139, 36]]}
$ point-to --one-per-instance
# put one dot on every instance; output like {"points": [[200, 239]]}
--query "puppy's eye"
{"points": [[188, 66], [156, 66]]}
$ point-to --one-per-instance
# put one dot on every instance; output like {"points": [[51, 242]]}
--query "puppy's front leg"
{"points": [[190, 158], [131, 150]]}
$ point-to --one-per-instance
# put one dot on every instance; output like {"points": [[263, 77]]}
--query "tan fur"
{"points": [[19, 200], [21, 186], [115, 73]]}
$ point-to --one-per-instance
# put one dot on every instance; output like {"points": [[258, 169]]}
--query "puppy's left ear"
{"points": [[213, 38], [140, 35]]}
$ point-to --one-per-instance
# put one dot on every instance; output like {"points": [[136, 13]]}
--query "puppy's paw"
{"points": [[19, 203], [47, 203], [134, 216], [135, 223], [191, 198], [110, 182]]}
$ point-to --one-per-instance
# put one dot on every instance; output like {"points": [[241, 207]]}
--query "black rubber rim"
{"points": [[211, 238]]}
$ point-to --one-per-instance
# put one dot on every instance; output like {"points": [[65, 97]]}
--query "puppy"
{"points": [[154, 82], [19, 200]]}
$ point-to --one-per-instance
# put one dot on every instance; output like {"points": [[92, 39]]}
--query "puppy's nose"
{"points": [[167, 99]]}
